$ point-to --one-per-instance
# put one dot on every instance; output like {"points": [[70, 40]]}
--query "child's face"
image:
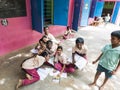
{"points": [[115, 40], [59, 51], [46, 31], [79, 45], [45, 39], [50, 45]]}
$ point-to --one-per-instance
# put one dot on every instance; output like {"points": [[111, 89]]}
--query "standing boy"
{"points": [[109, 60]]}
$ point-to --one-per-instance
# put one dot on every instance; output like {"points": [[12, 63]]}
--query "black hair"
{"points": [[44, 54], [80, 40], [42, 38], [49, 41], [60, 47], [116, 34], [68, 27]]}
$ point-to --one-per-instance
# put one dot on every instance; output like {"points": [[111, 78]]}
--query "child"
{"points": [[107, 19], [61, 62], [79, 52], [51, 48], [68, 33], [30, 66], [49, 35], [40, 47], [109, 60]]}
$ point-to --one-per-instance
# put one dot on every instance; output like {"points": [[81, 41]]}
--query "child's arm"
{"points": [[62, 70], [97, 59], [118, 67], [73, 59]]}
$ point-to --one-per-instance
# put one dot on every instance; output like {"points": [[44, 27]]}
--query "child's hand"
{"points": [[58, 75], [94, 62], [113, 72]]}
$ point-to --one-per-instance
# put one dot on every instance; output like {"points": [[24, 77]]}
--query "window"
{"points": [[48, 12], [12, 8]]}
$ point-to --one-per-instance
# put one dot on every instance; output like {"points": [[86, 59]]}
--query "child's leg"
{"points": [[29, 76], [108, 75], [35, 77], [95, 79], [70, 68], [102, 86], [19, 84], [58, 66]]}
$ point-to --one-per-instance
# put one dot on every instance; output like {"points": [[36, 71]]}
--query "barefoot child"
{"points": [[109, 60], [68, 33], [79, 52], [40, 47], [61, 62], [30, 66]]}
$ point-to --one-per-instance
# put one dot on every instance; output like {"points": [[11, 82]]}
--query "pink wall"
{"points": [[18, 33], [19, 23], [70, 12], [57, 30]]}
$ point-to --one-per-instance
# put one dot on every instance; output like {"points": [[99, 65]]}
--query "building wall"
{"points": [[18, 33], [70, 12]]}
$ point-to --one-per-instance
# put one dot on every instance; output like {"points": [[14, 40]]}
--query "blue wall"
{"points": [[116, 9], [92, 8], [61, 12], [98, 8], [37, 15], [85, 13], [76, 14]]}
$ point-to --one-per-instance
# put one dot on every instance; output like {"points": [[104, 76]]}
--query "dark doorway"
{"points": [[48, 12], [108, 8]]}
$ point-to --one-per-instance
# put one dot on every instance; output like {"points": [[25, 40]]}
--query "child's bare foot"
{"points": [[19, 84], [29, 77]]}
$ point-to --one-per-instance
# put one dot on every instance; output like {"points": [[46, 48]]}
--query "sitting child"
{"points": [[61, 62], [68, 33], [79, 52], [50, 36], [30, 66], [51, 48], [40, 47]]}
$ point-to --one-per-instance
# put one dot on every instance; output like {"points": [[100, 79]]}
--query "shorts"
{"points": [[108, 73]]}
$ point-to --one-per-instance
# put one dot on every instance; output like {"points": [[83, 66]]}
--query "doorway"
{"points": [[48, 12], [108, 8]]}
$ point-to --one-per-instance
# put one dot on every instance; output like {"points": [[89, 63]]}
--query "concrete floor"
{"points": [[95, 39]]}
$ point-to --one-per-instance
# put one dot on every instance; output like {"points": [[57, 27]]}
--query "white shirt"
{"points": [[34, 62], [51, 37], [62, 58], [83, 50]]}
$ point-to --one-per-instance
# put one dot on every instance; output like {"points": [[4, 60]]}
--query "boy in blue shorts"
{"points": [[109, 60]]}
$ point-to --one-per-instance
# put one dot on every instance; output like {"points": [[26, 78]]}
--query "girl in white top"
{"points": [[30, 66], [79, 52], [61, 62], [49, 35]]}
